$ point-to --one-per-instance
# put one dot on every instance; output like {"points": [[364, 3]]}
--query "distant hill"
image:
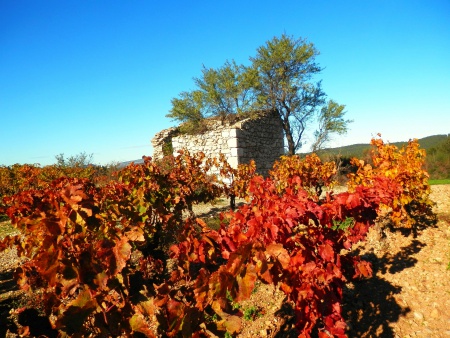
{"points": [[124, 164], [358, 150]]}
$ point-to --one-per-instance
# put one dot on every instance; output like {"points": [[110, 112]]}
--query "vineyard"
{"points": [[128, 256]]}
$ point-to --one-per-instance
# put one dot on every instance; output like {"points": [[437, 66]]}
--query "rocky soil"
{"points": [[408, 295]]}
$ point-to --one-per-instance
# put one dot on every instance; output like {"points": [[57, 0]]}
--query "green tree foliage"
{"points": [[188, 109], [438, 160], [331, 120], [285, 68], [80, 160], [227, 90], [444, 146], [279, 79], [222, 92]]}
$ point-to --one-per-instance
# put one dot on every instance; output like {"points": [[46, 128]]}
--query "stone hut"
{"points": [[259, 138]]}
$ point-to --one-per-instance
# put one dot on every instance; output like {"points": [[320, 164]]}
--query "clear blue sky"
{"points": [[98, 76]]}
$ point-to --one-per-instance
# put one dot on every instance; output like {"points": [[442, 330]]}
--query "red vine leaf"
{"points": [[139, 324], [246, 283], [363, 268], [122, 253], [232, 324], [279, 252], [135, 234], [326, 252]]}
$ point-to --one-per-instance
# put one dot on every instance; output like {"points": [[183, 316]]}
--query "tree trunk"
{"points": [[287, 132], [291, 143]]}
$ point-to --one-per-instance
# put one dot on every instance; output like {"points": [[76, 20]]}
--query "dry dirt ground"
{"points": [[408, 295]]}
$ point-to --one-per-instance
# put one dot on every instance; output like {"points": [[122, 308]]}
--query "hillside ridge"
{"points": [[358, 149]]}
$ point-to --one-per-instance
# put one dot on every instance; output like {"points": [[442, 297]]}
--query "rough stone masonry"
{"points": [[260, 139]]}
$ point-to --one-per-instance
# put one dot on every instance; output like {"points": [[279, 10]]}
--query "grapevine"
{"points": [[129, 256]]}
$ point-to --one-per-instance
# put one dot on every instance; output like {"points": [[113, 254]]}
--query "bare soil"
{"points": [[408, 295]]}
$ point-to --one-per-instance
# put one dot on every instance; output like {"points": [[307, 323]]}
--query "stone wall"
{"points": [[260, 139]]}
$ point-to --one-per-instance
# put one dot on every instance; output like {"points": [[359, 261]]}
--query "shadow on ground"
{"points": [[369, 305], [38, 325], [7, 284]]}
